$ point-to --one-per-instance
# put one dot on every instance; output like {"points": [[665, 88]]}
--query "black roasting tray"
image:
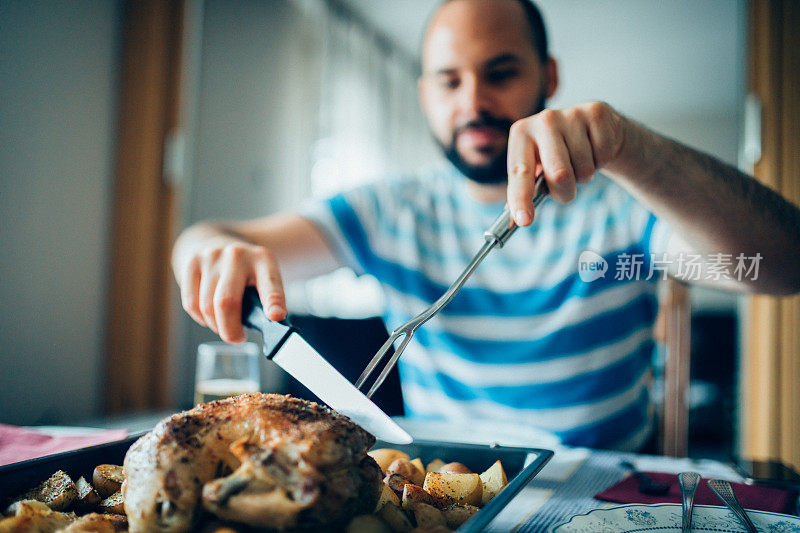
{"points": [[520, 465]]}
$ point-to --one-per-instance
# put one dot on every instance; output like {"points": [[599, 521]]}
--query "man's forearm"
{"points": [[711, 205]]}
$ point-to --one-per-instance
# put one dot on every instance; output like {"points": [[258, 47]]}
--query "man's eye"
{"points": [[448, 83], [500, 76]]}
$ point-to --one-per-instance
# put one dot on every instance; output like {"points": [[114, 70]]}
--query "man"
{"points": [[528, 339]]}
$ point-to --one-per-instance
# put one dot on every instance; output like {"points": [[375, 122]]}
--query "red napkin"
{"points": [[757, 497], [18, 443]]}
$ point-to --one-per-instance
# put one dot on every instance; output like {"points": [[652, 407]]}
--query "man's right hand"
{"points": [[213, 278], [213, 262]]}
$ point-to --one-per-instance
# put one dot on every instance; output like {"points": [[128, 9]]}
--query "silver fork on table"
{"points": [[496, 236], [724, 491], [688, 482]]}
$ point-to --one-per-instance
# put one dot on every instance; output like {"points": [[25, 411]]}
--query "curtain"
{"points": [[370, 126]]}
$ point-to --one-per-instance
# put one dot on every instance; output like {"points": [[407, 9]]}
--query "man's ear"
{"points": [[551, 70]]}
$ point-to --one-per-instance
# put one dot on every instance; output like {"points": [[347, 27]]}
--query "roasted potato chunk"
{"points": [[458, 513], [461, 488], [413, 495], [114, 504], [396, 482], [87, 499], [16, 508], [396, 518], [57, 492], [367, 523], [428, 515], [455, 467], [98, 523], [434, 465], [386, 456], [107, 479], [407, 469], [32, 515], [494, 480], [418, 463], [387, 496]]}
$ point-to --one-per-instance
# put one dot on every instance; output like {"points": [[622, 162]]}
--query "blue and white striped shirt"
{"points": [[525, 340]]}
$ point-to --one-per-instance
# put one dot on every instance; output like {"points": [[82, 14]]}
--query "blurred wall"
{"points": [[58, 80], [253, 97]]}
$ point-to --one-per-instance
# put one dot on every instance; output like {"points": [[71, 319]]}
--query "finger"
{"points": [[270, 287], [580, 151], [208, 285], [522, 164], [556, 165], [602, 135], [228, 306], [190, 292]]}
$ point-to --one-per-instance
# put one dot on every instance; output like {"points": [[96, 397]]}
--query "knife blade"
{"points": [[284, 345]]}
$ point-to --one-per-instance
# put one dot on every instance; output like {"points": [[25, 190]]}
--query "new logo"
{"points": [[591, 266]]}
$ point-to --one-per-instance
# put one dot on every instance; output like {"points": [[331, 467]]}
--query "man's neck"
{"points": [[487, 193]]}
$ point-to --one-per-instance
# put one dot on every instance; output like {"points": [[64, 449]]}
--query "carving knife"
{"points": [[284, 345]]}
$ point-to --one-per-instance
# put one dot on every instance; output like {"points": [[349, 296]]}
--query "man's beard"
{"points": [[496, 170]]}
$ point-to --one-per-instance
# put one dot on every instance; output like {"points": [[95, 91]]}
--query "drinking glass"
{"points": [[225, 370]]}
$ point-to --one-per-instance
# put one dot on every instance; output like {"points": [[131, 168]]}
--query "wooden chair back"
{"points": [[673, 328]]}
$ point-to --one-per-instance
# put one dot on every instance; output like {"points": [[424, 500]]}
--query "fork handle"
{"points": [[504, 227], [688, 482], [724, 491]]}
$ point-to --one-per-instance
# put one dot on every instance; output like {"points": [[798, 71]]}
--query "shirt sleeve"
{"points": [[346, 220], [657, 237], [648, 233], [644, 231], [653, 236]]}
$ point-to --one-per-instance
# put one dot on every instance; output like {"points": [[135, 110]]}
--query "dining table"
{"points": [[564, 488], [568, 483]]}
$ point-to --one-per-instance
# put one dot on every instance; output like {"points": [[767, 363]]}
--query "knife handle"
{"points": [[274, 333]]}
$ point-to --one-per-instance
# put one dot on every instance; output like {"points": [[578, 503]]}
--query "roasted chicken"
{"points": [[266, 460]]}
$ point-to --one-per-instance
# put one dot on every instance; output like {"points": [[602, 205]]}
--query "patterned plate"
{"points": [[666, 518]]}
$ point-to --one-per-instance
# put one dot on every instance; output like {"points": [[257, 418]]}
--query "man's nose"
{"points": [[474, 99]]}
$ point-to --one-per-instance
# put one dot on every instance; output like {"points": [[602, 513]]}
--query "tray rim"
{"points": [[27, 463], [477, 523]]}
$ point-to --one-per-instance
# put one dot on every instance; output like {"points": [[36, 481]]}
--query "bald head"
{"points": [[525, 13]]}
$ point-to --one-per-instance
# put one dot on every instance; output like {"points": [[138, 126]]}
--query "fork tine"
{"points": [[388, 367], [377, 357], [499, 232]]}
